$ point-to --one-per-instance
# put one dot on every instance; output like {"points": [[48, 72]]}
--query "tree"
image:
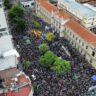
{"points": [[26, 64], [36, 24], [16, 10], [61, 66], [47, 59], [50, 36], [43, 48], [20, 24], [16, 15], [7, 4]]}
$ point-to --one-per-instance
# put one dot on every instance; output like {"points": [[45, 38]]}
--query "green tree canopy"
{"points": [[50, 36], [16, 10], [61, 66], [36, 24], [7, 4], [19, 23], [47, 59], [26, 64], [43, 48]]}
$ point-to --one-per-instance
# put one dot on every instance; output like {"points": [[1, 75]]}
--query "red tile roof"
{"points": [[23, 84], [87, 35], [63, 14], [23, 91], [48, 6], [73, 25]]}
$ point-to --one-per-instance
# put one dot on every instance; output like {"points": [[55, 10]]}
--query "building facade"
{"points": [[13, 82], [80, 37], [85, 15]]}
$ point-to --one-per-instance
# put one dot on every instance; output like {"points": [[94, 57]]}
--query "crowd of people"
{"points": [[48, 83]]}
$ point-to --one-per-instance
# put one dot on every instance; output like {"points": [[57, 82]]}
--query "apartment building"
{"points": [[85, 15], [13, 82], [79, 36]]}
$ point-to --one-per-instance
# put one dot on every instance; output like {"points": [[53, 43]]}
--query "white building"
{"points": [[27, 3], [85, 15], [14, 82], [10, 60]]}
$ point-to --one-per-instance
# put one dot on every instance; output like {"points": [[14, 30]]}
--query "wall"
{"points": [[8, 62], [6, 43]]}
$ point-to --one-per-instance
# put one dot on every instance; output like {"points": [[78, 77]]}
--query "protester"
{"points": [[48, 83]]}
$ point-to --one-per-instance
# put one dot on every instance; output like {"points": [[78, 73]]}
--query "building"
{"points": [[8, 55], [27, 3], [85, 15], [92, 2], [90, 6], [79, 36], [13, 82]]}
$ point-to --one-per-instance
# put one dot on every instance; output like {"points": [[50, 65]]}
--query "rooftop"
{"points": [[3, 23], [22, 91], [90, 6], [80, 8], [49, 6], [17, 85]]}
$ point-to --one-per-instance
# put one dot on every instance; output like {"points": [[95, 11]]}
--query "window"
{"points": [[73, 35], [65, 29], [3, 29], [81, 50], [26, 5], [76, 38], [92, 23], [93, 53], [0, 5], [1, 34], [79, 41], [32, 3], [37, 5], [83, 44], [90, 60], [86, 47]]}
